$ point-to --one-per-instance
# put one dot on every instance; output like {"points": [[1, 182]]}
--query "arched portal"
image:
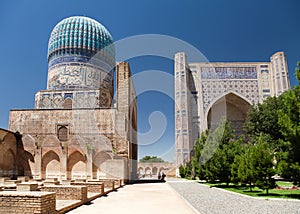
{"points": [[76, 167], [9, 165], [154, 170], [51, 165], [99, 165], [141, 172], [231, 106], [148, 171], [26, 164]]}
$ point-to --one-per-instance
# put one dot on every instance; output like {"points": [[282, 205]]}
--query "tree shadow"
{"points": [[145, 181], [253, 191], [295, 196]]}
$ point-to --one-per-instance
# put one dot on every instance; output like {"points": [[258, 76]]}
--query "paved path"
{"points": [[149, 198], [213, 200]]}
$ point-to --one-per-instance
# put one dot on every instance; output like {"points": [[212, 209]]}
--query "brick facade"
{"points": [[94, 137]]}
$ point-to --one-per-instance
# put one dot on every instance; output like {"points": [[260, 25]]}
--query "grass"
{"points": [[284, 183], [256, 192]]}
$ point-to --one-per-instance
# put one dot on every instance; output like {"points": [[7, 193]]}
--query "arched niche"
{"points": [[51, 165], [231, 106], [76, 167]]}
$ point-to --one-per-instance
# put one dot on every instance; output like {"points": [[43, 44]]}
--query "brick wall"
{"points": [[95, 187], [108, 183], [27, 202], [67, 192]]}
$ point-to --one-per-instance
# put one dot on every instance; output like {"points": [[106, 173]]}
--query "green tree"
{"points": [[263, 157], [244, 165], [256, 165], [182, 171], [289, 123], [185, 171], [298, 72], [279, 119], [197, 168], [263, 118], [219, 166], [214, 154], [152, 159]]}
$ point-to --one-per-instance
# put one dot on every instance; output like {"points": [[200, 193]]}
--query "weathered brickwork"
{"points": [[93, 137], [68, 192], [108, 183], [27, 202], [76, 129], [95, 187], [13, 157]]}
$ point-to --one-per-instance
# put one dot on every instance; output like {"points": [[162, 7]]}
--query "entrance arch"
{"points": [[99, 166], [231, 106], [141, 171], [51, 165], [76, 165], [148, 172]]}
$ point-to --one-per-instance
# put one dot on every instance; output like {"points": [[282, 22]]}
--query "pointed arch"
{"points": [[233, 106], [76, 165], [99, 159], [223, 95], [148, 171], [141, 170], [51, 165], [9, 164], [161, 169], [26, 163]]}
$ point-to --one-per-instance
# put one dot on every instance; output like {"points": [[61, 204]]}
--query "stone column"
{"points": [[64, 164], [89, 166], [38, 173]]}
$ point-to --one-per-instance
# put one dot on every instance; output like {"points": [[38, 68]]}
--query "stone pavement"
{"points": [[214, 200], [143, 198]]}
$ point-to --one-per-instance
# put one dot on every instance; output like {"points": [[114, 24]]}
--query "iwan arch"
{"points": [[206, 92], [230, 105]]}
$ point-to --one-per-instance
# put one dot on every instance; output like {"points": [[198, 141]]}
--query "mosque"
{"points": [[205, 92], [79, 127]]}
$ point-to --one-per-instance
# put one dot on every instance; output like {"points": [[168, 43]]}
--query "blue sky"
{"points": [[231, 30]]}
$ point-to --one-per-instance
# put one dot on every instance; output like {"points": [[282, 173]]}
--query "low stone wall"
{"points": [[27, 186], [117, 183], [108, 183], [67, 192], [95, 187], [27, 202]]}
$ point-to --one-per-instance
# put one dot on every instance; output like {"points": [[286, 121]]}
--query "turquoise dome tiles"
{"points": [[81, 36], [81, 55]]}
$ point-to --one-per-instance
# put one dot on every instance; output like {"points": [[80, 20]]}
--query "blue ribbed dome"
{"points": [[79, 35]]}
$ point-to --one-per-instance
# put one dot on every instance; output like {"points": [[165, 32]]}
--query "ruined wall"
{"points": [[27, 202], [67, 192], [13, 159]]}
